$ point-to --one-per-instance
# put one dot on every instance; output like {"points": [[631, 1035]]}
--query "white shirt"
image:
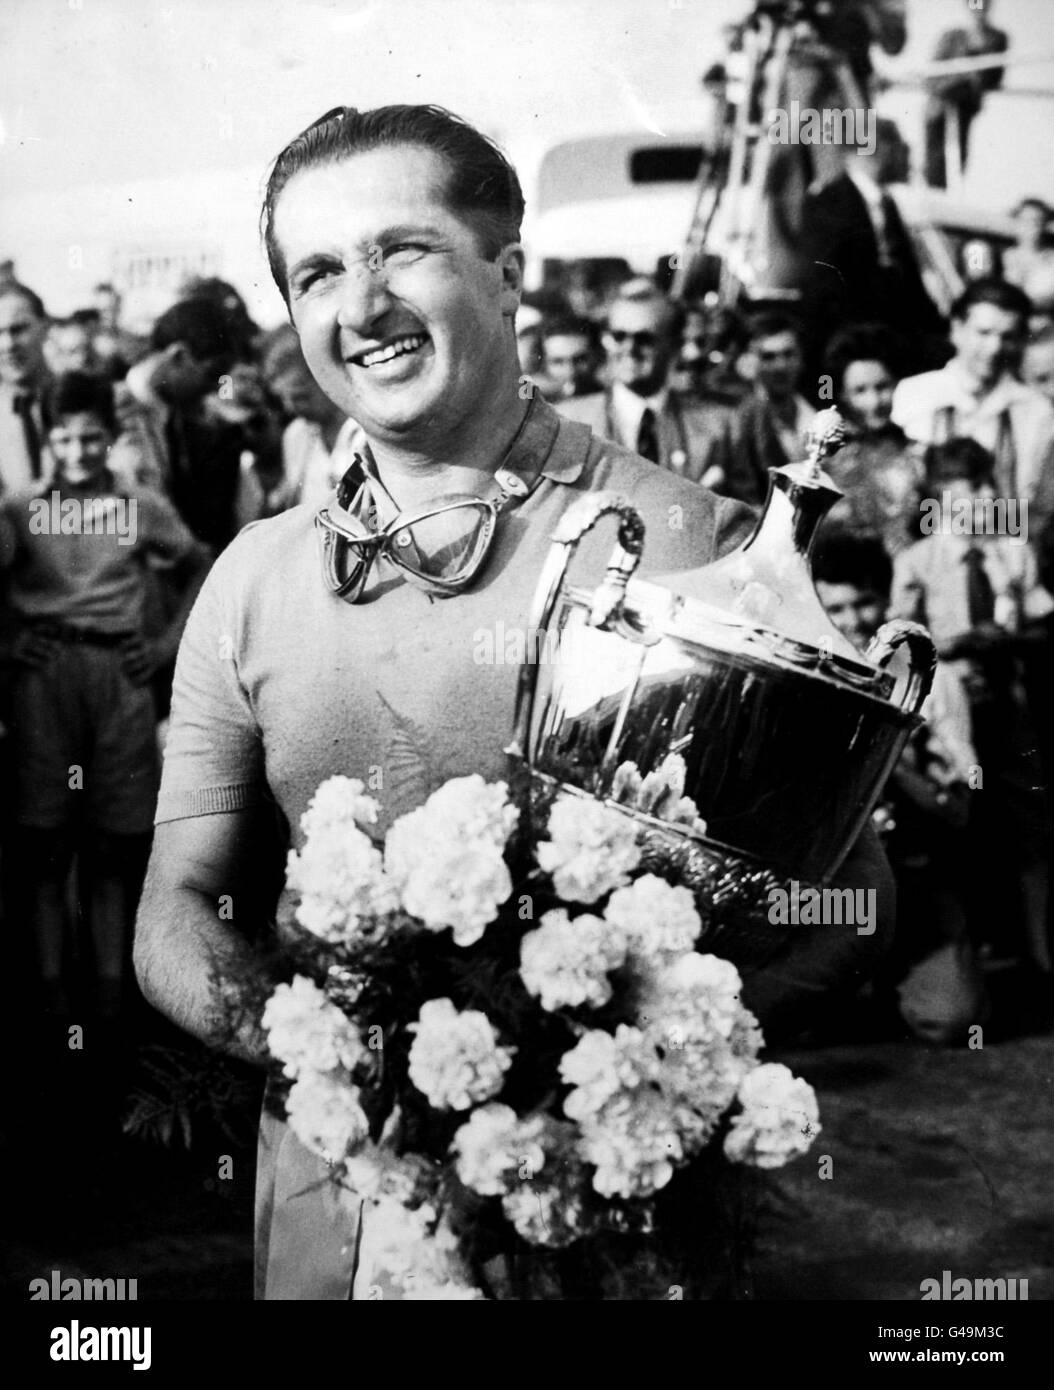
{"points": [[310, 471], [627, 411], [16, 471], [919, 403]]}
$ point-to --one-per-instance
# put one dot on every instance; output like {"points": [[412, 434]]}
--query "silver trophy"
{"points": [[725, 712]]}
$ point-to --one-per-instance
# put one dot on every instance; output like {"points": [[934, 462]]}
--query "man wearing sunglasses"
{"points": [[345, 641], [638, 410]]}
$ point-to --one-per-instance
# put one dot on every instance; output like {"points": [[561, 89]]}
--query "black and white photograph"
{"points": [[527, 667]]}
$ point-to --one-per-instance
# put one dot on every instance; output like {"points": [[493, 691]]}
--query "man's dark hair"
{"points": [[770, 323], [202, 327], [674, 310], [958, 459], [78, 393], [570, 325], [862, 561], [482, 187], [16, 287], [1006, 297], [862, 342]]}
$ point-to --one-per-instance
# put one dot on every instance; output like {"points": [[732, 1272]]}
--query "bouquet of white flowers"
{"points": [[508, 1045]]}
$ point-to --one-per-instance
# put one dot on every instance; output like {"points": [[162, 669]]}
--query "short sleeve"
{"points": [[213, 753]]}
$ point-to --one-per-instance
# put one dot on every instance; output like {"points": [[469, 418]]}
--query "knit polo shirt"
{"points": [[280, 684]]}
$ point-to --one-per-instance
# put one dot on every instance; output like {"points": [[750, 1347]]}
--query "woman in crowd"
{"points": [[878, 469]]}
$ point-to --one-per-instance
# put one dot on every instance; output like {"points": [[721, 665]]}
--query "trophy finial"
{"points": [[826, 436]]}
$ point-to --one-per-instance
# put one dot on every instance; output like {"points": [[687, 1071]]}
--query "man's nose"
{"points": [[364, 298]]}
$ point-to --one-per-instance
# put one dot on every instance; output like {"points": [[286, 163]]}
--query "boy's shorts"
{"points": [[85, 744]]}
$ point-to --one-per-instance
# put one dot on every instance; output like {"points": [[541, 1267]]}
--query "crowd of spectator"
{"points": [[127, 464]]}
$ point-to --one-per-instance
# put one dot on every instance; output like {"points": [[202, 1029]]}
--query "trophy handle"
{"points": [[579, 519], [921, 652]]}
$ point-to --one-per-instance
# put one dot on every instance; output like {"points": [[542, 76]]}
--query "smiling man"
{"points": [[394, 237], [977, 393]]}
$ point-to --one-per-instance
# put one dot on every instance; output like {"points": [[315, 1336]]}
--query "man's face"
{"points": [[779, 362], [21, 341], [1038, 369], [69, 349], [108, 303], [80, 444], [985, 340], [569, 359], [856, 612], [867, 394], [404, 324], [639, 344]]}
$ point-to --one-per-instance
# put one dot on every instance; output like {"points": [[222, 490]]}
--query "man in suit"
{"points": [[958, 96], [638, 409], [24, 377], [863, 266], [770, 425]]}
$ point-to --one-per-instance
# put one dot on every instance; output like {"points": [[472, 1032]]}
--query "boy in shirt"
{"points": [[931, 968], [83, 716], [975, 585]]}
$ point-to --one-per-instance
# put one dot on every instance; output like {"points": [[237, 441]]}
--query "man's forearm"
{"points": [[183, 950]]}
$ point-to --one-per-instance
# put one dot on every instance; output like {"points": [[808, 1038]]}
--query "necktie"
{"points": [[980, 596], [648, 436], [1005, 457], [23, 406]]}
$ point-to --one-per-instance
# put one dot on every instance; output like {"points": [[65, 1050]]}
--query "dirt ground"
{"points": [[939, 1160]]}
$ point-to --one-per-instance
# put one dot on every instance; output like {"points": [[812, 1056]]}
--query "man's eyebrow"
{"points": [[410, 229], [317, 258]]}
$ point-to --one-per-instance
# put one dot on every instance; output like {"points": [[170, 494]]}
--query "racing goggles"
{"points": [[440, 548]]}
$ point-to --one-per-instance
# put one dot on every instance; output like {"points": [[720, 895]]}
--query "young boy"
{"points": [[939, 987], [83, 718], [973, 582]]}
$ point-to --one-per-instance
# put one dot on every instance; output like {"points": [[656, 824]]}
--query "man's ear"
{"points": [[512, 260]]}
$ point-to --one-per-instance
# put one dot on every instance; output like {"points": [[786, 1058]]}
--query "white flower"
{"points": [[496, 1147], [696, 993], [421, 1260], [591, 848], [780, 1118], [444, 884], [308, 1033], [566, 963], [655, 917], [599, 1066], [634, 1144], [324, 1113], [340, 877], [468, 808], [455, 1059], [339, 802], [549, 1214], [446, 857]]}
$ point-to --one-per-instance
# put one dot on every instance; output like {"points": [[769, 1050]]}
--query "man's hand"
{"points": [[34, 648], [141, 659]]}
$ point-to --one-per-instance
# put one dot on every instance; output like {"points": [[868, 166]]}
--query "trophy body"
{"points": [[779, 732]]}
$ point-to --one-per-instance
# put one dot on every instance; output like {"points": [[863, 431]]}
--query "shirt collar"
{"points": [[1005, 390], [545, 446]]}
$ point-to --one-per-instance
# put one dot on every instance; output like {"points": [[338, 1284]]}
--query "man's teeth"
{"points": [[396, 349]]}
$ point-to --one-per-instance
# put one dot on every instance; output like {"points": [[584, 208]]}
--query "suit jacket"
{"points": [[693, 438], [847, 282]]}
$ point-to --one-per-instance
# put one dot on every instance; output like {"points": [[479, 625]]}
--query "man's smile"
{"points": [[391, 351]]}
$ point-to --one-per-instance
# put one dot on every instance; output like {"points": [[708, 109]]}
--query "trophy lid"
{"points": [[768, 580]]}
